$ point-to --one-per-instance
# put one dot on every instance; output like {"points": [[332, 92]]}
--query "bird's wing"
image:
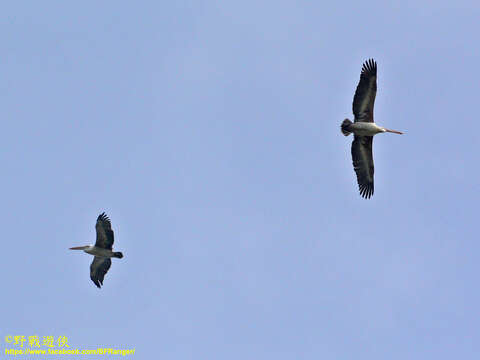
{"points": [[364, 98], [98, 269], [104, 232], [363, 164]]}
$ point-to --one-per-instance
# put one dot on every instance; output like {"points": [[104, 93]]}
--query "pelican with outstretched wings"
{"points": [[102, 250], [364, 128]]}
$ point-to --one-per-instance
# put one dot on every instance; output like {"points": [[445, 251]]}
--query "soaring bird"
{"points": [[102, 250], [364, 128]]}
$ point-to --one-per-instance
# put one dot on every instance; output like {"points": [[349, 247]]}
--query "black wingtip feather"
{"points": [[366, 190], [97, 283], [103, 217], [369, 67]]}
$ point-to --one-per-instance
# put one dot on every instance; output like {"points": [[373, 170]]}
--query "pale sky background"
{"points": [[209, 132]]}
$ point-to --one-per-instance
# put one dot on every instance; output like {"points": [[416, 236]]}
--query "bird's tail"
{"points": [[346, 127], [118, 255]]}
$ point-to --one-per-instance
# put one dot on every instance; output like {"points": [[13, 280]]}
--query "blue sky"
{"points": [[209, 132]]}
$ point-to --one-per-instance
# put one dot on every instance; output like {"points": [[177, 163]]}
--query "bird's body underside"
{"points": [[102, 250], [360, 128], [364, 128]]}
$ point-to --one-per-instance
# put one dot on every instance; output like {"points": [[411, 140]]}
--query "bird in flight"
{"points": [[364, 128], [102, 250]]}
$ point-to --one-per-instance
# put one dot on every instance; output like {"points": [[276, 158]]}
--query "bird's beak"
{"points": [[77, 248], [394, 131]]}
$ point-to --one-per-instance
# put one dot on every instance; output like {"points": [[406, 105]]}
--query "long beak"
{"points": [[77, 248], [394, 131]]}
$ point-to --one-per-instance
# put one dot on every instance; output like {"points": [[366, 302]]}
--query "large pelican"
{"points": [[364, 128], [102, 250]]}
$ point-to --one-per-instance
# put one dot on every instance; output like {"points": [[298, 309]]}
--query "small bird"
{"points": [[364, 128], [102, 250]]}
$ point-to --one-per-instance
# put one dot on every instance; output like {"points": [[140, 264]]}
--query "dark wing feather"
{"points": [[98, 269], [364, 98], [104, 232], [363, 164]]}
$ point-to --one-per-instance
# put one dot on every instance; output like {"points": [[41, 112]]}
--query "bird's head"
{"points": [[391, 131], [79, 248]]}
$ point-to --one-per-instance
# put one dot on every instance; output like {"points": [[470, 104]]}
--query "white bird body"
{"points": [[366, 129], [97, 251]]}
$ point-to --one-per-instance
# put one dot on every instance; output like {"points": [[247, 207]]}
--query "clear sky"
{"points": [[209, 132]]}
